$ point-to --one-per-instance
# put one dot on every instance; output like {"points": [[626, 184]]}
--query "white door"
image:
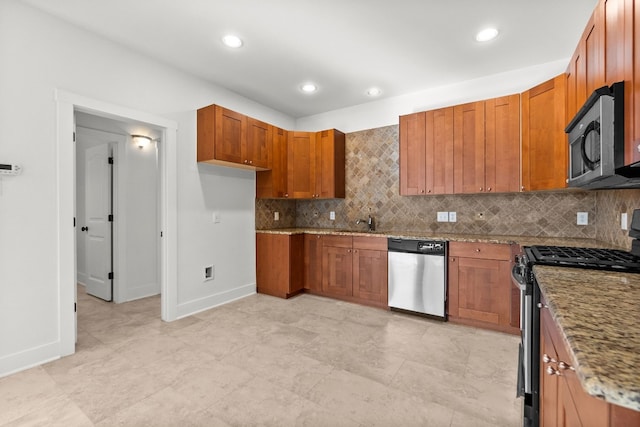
{"points": [[97, 225]]}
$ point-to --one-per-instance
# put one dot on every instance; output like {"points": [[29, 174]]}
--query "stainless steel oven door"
{"points": [[526, 316]]}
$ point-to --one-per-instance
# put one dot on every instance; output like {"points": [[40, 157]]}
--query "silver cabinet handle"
{"points": [[541, 305], [547, 359]]}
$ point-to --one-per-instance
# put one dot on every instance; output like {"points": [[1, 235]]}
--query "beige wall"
{"points": [[372, 182]]}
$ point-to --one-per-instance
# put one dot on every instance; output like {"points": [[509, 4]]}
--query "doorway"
{"points": [[67, 106], [117, 209]]}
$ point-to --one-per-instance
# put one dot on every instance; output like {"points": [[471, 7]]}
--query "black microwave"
{"points": [[596, 143]]}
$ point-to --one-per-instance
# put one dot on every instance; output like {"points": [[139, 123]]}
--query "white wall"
{"points": [[385, 112], [39, 53]]}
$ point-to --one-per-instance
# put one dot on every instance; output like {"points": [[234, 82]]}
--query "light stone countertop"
{"points": [[472, 238], [598, 313]]}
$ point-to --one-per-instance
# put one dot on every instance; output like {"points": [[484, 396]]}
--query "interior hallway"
{"points": [[307, 361]]}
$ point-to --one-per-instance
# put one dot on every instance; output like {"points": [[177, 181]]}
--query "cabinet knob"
{"points": [[541, 305], [286, 194], [477, 249], [250, 162], [522, 188], [488, 188], [564, 366], [551, 371], [317, 237], [480, 188], [547, 359], [422, 191], [428, 191], [245, 162], [638, 147]]}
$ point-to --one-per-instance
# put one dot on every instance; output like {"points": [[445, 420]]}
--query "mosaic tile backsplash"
{"points": [[372, 186]]}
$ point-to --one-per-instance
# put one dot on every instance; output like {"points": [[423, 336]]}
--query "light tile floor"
{"points": [[306, 361]]}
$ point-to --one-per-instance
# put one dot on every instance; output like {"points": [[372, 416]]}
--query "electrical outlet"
{"points": [[209, 273], [332, 216], [582, 218], [443, 216], [624, 221], [276, 216], [453, 217]]}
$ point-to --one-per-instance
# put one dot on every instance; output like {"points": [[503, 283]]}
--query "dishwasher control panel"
{"points": [[425, 247]]}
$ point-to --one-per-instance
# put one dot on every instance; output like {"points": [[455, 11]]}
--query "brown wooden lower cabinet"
{"points": [[355, 269], [279, 264], [479, 292], [344, 267], [563, 401]]}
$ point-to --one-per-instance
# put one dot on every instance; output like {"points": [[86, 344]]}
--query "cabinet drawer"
{"points": [[338, 241], [480, 250], [370, 243]]}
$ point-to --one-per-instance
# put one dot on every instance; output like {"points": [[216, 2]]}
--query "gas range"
{"points": [[589, 258]]}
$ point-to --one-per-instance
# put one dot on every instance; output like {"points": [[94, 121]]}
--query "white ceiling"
{"points": [[345, 46]]}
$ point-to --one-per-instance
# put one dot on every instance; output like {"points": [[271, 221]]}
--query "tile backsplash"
{"points": [[372, 186]]}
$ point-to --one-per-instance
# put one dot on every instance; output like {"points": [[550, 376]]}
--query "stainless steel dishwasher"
{"points": [[418, 276]]}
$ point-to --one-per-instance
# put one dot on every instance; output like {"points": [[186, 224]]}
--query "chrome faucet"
{"points": [[371, 224]]}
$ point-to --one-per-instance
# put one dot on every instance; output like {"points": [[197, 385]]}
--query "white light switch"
{"points": [[453, 217], [276, 216], [443, 216], [583, 218], [332, 216], [624, 221]]}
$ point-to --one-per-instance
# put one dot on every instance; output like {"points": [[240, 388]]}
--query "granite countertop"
{"points": [[599, 315], [472, 238]]}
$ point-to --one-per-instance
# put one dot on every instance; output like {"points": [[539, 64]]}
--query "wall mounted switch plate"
{"points": [[276, 216], [582, 218], [624, 221], [443, 216], [332, 216], [453, 217]]}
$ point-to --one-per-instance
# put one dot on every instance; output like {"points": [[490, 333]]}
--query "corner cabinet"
{"points": [[479, 286], [229, 138], [563, 401], [279, 264], [272, 184], [544, 143]]}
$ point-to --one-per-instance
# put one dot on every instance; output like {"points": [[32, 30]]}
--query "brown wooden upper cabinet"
{"points": [[609, 52], [544, 143], [314, 166], [470, 148], [272, 184], [426, 153], [230, 138]]}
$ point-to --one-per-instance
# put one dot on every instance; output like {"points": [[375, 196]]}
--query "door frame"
{"points": [[67, 104]]}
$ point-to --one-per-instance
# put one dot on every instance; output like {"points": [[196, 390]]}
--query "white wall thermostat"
{"points": [[6, 169]]}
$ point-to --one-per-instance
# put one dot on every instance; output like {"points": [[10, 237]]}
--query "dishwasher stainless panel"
{"points": [[417, 281]]}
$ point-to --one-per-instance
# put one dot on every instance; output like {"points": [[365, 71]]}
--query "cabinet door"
{"points": [[502, 144], [313, 262], [273, 183], [632, 93], [544, 143], [468, 148], [330, 164], [483, 290], [337, 266], [439, 151], [258, 144], [412, 154], [370, 275], [301, 165], [230, 132], [548, 383]]}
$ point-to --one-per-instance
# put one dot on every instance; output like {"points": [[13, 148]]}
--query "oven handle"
{"points": [[517, 278]]}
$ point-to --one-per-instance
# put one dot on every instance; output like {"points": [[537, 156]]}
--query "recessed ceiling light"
{"points": [[232, 41], [309, 88], [486, 35], [374, 91]]}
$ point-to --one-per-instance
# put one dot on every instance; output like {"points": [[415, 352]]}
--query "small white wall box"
{"points": [[7, 169]]}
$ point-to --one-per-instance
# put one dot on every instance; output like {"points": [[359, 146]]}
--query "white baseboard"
{"points": [[202, 304], [16, 362], [142, 291], [82, 278]]}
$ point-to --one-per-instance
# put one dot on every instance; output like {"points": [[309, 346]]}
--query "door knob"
{"points": [[85, 229]]}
